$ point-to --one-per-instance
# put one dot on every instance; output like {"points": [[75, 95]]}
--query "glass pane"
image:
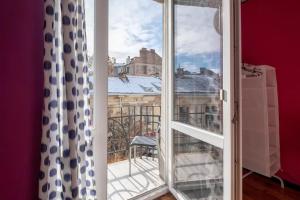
{"points": [[198, 168], [135, 165], [90, 37], [198, 64]]}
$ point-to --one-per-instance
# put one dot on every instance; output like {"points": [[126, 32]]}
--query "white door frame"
{"points": [[100, 98], [225, 141]]}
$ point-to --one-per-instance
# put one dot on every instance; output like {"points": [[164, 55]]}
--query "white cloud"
{"points": [[194, 30], [134, 24]]}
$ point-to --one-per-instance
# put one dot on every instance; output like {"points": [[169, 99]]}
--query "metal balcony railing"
{"points": [[126, 122]]}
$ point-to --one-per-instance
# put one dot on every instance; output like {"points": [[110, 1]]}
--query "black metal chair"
{"points": [[150, 142]]}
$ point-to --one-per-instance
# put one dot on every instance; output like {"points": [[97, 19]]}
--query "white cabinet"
{"points": [[260, 121]]}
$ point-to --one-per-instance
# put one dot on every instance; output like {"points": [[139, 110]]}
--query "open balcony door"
{"points": [[199, 98], [200, 150]]}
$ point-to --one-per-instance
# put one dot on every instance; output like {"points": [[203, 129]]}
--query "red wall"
{"points": [[271, 35], [21, 82]]}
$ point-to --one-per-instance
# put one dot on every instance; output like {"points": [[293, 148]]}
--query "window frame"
{"points": [[100, 98]]}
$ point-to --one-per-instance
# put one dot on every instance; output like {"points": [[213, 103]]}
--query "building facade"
{"points": [[148, 63]]}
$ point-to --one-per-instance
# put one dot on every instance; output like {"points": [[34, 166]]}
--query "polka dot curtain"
{"points": [[67, 167]]}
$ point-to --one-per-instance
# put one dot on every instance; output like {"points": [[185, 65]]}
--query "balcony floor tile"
{"points": [[145, 177]]}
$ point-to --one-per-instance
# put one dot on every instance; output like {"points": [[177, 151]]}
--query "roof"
{"points": [[134, 85], [147, 85], [196, 84], [199, 3]]}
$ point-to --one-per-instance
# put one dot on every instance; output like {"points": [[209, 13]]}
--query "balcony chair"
{"points": [[149, 142]]}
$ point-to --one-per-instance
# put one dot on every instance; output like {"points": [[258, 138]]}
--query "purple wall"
{"points": [[21, 82]]}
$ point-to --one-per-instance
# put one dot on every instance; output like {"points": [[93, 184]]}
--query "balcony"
{"points": [[144, 177], [126, 122]]}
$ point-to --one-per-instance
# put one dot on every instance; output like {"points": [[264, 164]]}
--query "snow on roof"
{"points": [[196, 84], [134, 85], [147, 85]]}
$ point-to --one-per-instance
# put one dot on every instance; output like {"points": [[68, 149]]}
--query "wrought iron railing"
{"points": [[125, 122]]}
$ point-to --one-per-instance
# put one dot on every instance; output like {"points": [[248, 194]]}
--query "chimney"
{"points": [[180, 72], [128, 60], [143, 53], [113, 60], [202, 71]]}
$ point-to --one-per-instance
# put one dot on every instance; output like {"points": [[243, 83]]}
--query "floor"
{"points": [[168, 196], [145, 176], [257, 187]]}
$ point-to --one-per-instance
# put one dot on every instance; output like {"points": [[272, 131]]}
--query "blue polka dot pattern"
{"points": [[49, 10], [52, 80], [67, 48], [67, 166], [67, 177], [58, 182], [71, 7], [72, 134], [66, 153], [47, 64], [53, 172], [66, 20], [45, 120], [48, 37], [46, 92], [43, 148], [69, 76], [45, 187], [52, 195]]}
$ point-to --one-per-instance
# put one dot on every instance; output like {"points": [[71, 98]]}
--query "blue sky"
{"points": [[134, 24]]}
